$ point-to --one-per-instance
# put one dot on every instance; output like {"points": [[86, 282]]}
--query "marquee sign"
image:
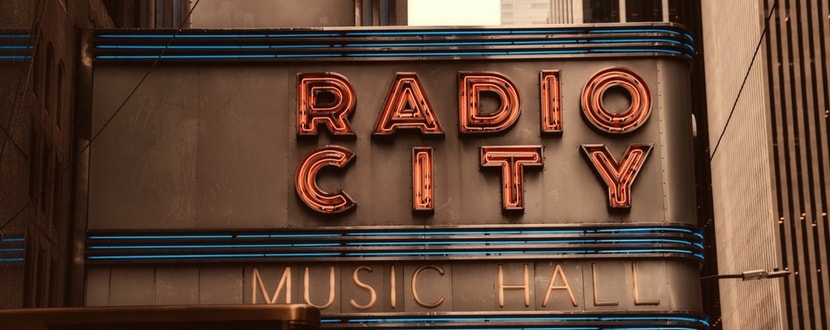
{"points": [[395, 174]]}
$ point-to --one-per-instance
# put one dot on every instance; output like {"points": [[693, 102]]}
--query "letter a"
{"points": [[407, 106]]}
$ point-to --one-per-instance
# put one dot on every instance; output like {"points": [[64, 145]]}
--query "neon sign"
{"points": [[328, 99]]}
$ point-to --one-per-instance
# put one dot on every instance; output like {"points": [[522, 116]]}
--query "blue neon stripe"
{"points": [[213, 256], [290, 235], [209, 246], [2, 250], [12, 239], [378, 254], [172, 236], [644, 230], [211, 46], [528, 241], [11, 259], [524, 318], [14, 57]]}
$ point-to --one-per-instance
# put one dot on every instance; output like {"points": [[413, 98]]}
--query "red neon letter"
{"points": [[306, 180], [422, 189], [618, 177], [470, 118], [551, 95], [407, 106], [512, 160], [616, 123], [333, 113]]}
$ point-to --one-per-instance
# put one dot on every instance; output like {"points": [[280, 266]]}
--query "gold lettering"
{"points": [[597, 302], [637, 300], [415, 285], [525, 286], [372, 294], [285, 281], [307, 293], [552, 286]]}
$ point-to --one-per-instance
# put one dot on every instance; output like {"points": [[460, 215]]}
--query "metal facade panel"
{"points": [[214, 146]]}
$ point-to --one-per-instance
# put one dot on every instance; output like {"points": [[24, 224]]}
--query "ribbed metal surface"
{"points": [[478, 243], [741, 175], [800, 113], [360, 44], [561, 12]]}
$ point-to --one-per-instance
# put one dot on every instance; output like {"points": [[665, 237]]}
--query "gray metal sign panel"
{"points": [[215, 145], [396, 175]]}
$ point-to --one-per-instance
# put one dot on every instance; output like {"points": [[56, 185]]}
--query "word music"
{"points": [[328, 99]]}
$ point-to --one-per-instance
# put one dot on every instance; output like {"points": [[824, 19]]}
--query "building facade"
{"points": [[39, 56], [768, 100], [767, 106]]}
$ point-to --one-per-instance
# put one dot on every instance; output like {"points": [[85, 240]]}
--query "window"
{"points": [[34, 159], [643, 10], [375, 12], [47, 86], [36, 70], [45, 178], [600, 11], [59, 95], [57, 198]]}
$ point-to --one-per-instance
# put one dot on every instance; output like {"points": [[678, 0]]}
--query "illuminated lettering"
{"points": [[407, 106], [306, 180], [285, 282], [326, 98], [393, 295], [373, 297], [307, 289], [422, 189], [617, 176], [637, 300], [598, 302], [598, 115], [512, 160], [414, 287], [550, 101], [470, 117], [525, 286], [557, 271]]}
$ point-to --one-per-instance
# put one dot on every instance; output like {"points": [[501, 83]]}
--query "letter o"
{"points": [[616, 123]]}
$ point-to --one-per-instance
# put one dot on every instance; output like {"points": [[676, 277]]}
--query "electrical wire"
{"points": [[743, 83], [109, 120]]}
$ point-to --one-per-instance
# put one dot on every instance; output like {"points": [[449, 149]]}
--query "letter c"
{"points": [[306, 180]]}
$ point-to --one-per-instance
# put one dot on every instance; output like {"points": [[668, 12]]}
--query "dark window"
{"points": [[57, 198], [682, 11], [47, 87], [34, 156], [54, 284], [643, 10], [36, 70], [45, 178], [600, 11], [59, 95], [375, 12]]}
